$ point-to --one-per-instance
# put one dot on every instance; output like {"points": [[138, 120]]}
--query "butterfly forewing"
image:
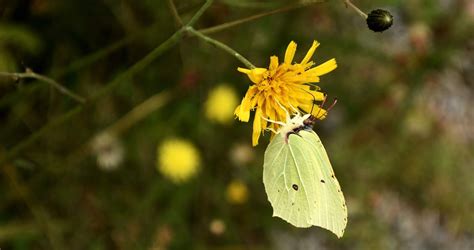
{"points": [[301, 185]]}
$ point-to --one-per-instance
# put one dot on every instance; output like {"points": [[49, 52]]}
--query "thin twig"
{"points": [[138, 66], [32, 75], [360, 12], [221, 46], [227, 25], [138, 113], [175, 14], [199, 13], [40, 215]]}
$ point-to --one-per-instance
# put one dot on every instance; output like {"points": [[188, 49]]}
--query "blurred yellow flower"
{"points": [[237, 192], [178, 159], [221, 103], [283, 88]]}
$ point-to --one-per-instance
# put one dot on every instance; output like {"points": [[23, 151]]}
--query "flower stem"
{"points": [[221, 46], [29, 74], [138, 113], [227, 25], [360, 12], [138, 66], [175, 14], [231, 24], [199, 13]]}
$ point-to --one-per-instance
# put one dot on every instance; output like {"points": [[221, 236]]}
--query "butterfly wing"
{"points": [[301, 185]]}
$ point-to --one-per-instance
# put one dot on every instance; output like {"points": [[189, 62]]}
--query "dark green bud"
{"points": [[379, 20]]}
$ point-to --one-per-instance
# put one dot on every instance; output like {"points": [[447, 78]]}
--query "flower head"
{"points": [[379, 20], [220, 104], [109, 151], [178, 159], [237, 192], [282, 88]]}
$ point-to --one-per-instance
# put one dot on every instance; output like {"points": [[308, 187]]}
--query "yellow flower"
{"points": [[283, 88], [237, 192], [178, 159], [221, 103]]}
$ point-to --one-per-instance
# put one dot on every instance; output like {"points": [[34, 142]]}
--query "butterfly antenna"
{"points": [[314, 99], [322, 104], [332, 105]]}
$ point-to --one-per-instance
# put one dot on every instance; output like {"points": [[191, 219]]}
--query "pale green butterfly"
{"points": [[299, 179]]}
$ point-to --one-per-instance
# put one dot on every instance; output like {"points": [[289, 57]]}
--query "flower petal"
{"points": [[290, 52], [243, 115], [319, 113], [310, 52], [273, 63], [323, 68], [243, 110], [243, 70], [255, 75], [256, 126]]}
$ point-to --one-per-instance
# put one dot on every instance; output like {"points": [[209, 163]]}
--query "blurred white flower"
{"points": [[413, 229], [108, 150], [310, 239], [420, 37], [217, 227], [450, 100], [241, 154]]}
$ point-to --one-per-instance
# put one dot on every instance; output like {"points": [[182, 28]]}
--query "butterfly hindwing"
{"points": [[301, 185]]}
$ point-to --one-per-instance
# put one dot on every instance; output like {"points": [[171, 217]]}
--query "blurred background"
{"points": [[154, 158]]}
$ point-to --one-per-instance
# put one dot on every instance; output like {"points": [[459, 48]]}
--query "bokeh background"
{"points": [[155, 159]]}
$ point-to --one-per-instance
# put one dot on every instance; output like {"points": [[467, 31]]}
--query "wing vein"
{"points": [[299, 175]]}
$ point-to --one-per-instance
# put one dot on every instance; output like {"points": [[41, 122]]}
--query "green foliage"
{"points": [[400, 138]]}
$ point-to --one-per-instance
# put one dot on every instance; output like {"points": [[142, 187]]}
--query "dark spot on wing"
{"points": [[292, 203], [322, 181], [332, 176], [295, 187]]}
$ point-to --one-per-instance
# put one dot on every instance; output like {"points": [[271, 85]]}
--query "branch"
{"points": [[135, 68], [199, 13], [138, 113], [175, 14], [32, 75], [231, 24], [221, 46], [360, 12]]}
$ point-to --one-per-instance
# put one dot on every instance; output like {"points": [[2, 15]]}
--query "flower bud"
{"points": [[379, 20]]}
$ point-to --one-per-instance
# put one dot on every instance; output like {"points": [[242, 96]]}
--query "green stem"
{"points": [[231, 24], [138, 66], [77, 65], [199, 13], [32, 75], [175, 14], [221, 46], [360, 12], [138, 113]]}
